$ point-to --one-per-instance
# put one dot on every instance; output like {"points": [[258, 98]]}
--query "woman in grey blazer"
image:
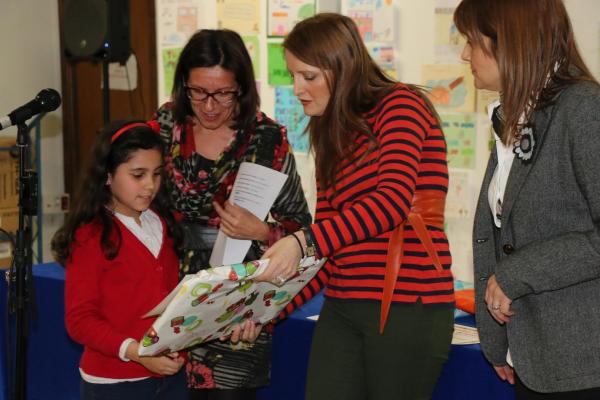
{"points": [[536, 238]]}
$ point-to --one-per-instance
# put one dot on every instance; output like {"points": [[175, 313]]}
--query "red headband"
{"points": [[152, 124]]}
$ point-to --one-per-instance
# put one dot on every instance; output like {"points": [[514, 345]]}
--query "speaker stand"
{"points": [[105, 90]]}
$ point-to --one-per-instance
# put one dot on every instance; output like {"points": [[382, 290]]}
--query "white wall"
{"points": [[416, 48], [30, 62]]}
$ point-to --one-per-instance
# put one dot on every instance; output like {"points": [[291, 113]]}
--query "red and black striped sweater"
{"points": [[372, 196]]}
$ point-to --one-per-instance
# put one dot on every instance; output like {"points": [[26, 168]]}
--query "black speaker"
{"points": [[96, 30]]}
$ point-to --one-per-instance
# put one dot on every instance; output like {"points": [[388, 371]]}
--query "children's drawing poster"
{"points": [[448, 42], [376, 19], [242, 16], [450, 87], [361, 12], [460, 131], [484, 99], [282, 15], [289, 112], [384, 21], [277, 72], [207, 305], [384, 56], [253, 47], [176, 22], [169, 63], [459, 212]]}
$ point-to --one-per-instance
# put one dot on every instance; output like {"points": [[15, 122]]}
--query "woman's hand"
{"points": [[284, 257], [497, 302], [245, 332], [239, 223], [506, 373], [162, 365]]}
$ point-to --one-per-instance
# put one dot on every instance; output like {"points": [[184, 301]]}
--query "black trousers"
{"points": [[524, 393], [350, 360]]}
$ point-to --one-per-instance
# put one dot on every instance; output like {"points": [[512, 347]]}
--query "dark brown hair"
{"points": [[332, 43], [534, 46], [211, 48]]}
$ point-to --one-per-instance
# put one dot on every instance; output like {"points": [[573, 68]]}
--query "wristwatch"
{"points": [[310, 242]]}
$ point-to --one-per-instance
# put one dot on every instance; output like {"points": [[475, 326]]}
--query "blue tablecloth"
{"points": [[52, 359]]}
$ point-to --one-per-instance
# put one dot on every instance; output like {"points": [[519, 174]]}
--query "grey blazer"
{"points": [[546, 256]]}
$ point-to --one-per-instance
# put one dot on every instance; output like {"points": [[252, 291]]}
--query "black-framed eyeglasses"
{"points": [[223, 97]]}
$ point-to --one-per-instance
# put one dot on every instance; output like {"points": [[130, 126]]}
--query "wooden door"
{"points": [[82, 93]]}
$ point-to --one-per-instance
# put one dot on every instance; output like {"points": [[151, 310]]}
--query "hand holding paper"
{"points": [[255, 189], [239, 223]]}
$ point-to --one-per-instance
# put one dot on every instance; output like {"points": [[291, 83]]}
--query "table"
{"points": [[52, 359]]}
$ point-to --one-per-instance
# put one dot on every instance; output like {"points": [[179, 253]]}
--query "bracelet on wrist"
{"points": [[310, 243], [299, 243]]}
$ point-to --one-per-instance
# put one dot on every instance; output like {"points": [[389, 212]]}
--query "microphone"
{"points": [[45, 101]]}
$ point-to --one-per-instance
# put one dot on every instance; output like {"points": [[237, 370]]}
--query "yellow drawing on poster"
{"points": [[252, 45], [241, 16], [450, 87]]}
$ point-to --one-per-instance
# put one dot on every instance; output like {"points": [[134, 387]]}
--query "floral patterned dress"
{"points": [[194, 183]]}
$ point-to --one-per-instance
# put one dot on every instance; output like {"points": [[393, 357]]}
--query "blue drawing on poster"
{"points": [[289, 112]]}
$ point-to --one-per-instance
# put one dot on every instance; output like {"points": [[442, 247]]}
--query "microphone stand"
{"points": [[21, 275]]}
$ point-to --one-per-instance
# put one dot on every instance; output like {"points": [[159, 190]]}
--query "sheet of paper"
{"points": [[465, 335], [215, 300], [256, 187]]}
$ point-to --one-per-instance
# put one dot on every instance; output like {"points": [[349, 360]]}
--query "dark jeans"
{"points": [[222, 394], [167, 388], [524, 393], [350, 360]]}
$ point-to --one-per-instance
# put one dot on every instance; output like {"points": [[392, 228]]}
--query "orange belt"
{"points": [[427, 209]]}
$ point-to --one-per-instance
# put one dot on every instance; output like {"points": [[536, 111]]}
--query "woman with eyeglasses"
{"points": [[212, 125]]}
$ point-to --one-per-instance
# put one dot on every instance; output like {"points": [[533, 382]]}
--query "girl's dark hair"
{"points": [[534, 45], [211, 48], [94, 195], [332, 43]]}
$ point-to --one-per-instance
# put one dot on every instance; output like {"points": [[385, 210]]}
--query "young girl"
{"points": [[118, 246]]}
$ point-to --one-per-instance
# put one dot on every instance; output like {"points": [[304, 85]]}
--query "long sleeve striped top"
{"points": [[372, 196]]}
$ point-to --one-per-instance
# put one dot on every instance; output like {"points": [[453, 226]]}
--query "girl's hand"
{"points": [[239, 223], [162, 365], [284, 257]]}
